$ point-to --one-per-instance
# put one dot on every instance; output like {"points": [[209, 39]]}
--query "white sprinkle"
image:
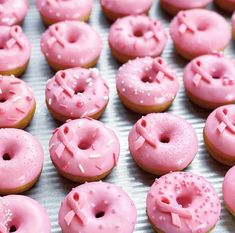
{"points": [[88, 80], [79, 124], [50, 101], [0, 91], [81, 168], [106, 97], [123, 89], [94, 156], [141, 101], [72, 61], [110, 142], [15, 99], [148, 94], [59, 56]]}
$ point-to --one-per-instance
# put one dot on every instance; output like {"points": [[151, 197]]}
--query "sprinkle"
{"points": [[63, 106], [81, 168], [123, 89], [49, 101], [94, 156], [106, 97], [15, 99], [109, 143], [88, 80], [0, 91], [69, 217], [20, 110], [59, 56], [12, 119], [12, 92], [15, 82]]}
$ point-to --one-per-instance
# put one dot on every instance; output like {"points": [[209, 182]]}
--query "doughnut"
{"points": [[54, 11], [229, 190], [173, 7], [233, 26], [77, 93], [219, 134], [182, 202], [114, 9], [209, 81], [20, 162], [23, 214], [13, 45], [136, 36], [17, 103], [97, 207], [13, 11], [226, 5], [158, 144], [71, 44], [197, 32], [146, 85], [84, 150]]}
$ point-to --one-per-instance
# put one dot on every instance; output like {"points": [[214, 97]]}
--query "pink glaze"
{"points": [[61, 10], [199, 32], [229, 189], [14, 45], [184, 5], [183, 202], [77, 93], [20, 162], [147, 82], [220, 130], [137, 36], [84, 148], [211, 78], [162, 142], [71, 44], [97, 207], [13, 11], [16, 101], [22, 214], [127, 7]]}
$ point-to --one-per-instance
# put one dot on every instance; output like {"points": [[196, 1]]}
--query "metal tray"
{"points": [[52, 188]]}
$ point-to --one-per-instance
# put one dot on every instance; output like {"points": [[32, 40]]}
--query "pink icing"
{"points": [[77, 93], [97, 207], [71, 44], [229, 189], [13, 11], [84, 148], [22, 214], [26, 160], [127, 7], [16, 101], [183, 202], [147, 82], [13, 44], [137, 36], [162, 142], [211, 78], [60, 10], [184, 5], [220, 130], [199, 32]]}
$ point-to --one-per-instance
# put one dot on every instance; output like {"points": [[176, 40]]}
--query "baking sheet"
{"points": [[52, 188]]}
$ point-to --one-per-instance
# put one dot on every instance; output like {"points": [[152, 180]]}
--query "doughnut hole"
{"points": [[147, 79], [202, 26], [164, 138], [13, 228], [6, 157], [73, 35], [219, 72], [79, 89], [100, 210], [185, 200]]}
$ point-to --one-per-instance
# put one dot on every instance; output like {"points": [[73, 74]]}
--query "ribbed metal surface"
{"points": [[52, 188]]}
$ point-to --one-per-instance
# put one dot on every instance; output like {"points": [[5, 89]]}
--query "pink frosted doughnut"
{"points": [[226, 5], [173, 7], [84, 150], [71, 44], [97, 207], [13, 11], [183, 202], [136, 36], [13, 45], [147, 85], [157, 143], [114, 9], [197, 32], [17, 103], [25, 159], [219, 134], [209, 81], [77, 93], [23, 214], [229, 190], [54, 11]]}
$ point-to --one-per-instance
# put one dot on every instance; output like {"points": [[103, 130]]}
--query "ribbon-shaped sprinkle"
{"points": [[184, 24], [66, 135], [15, 33], [75, 202], [222, 115], [200, 73], [63, 87], [164, 204], [158, 65], [141, 129], [54, 31], [155, 28]]}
